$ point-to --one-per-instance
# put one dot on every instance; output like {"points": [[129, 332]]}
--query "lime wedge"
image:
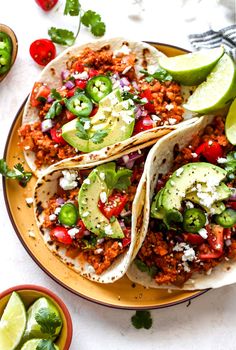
{"points": [[33, 343], [217, 90], [36, 328], [12, 324], [192, 68], [230, 124]]}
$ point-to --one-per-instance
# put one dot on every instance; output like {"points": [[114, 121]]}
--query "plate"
{"points": [[122, 294]]}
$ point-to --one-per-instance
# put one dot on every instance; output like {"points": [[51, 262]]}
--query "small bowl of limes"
{"points": [[33, 318]]}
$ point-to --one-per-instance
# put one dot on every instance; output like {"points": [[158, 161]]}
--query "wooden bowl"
{"points": [[12, 35], [29, 293]]}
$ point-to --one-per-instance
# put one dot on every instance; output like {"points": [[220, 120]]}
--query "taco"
{"points": [[190, 242], [90, 215], [101, 95]]}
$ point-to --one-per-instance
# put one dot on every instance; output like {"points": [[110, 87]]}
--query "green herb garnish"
{"points": [[151, 271], [55, 95], [81, 132], [99, 136], [119, 179], [160, 74], [230, 165], [54, 110], [48, 321], [17, 173], [61, 36], [72, 8], [46, 345], [93, 21], [142, 319], [112, 219], [126, 95]]}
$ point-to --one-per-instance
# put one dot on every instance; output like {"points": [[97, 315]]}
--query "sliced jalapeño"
{"points": [[98, 87], [79, 105], [193, 220]]}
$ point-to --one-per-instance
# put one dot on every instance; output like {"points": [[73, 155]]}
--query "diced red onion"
{"points": [[138, 112], [65, 74], [144, 113], [129, 159], [86, 233], [122, 224], [228, 242], [50, 99], [46, 125], [69, 84], [124, 213], [135, 85], [124, 82], [116, 76], [60, 201], [233, 195]]}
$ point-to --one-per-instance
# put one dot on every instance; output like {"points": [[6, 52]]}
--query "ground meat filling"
{"points": [[163, 251]]}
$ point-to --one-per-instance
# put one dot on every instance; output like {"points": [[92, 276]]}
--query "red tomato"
{"points": [[114, 205], [215, 237], [71, 92], [56, 136], [232, 205], [60, 234], [210, 150], [46, 5], [149, 105], [193, 238], [78, 67], [207, 253], [39, 90], [81, 84], [126, 241], [145, 123], [93, 72], [94, 111], [227, 233], [81, 227], [69, 115], [42, 51]]}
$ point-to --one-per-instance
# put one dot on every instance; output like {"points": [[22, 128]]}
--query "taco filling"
{"points": [[101, 101], [89, 216], [192, 227]]}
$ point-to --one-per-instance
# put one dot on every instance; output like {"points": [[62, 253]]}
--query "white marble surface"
{"points": [[209, 322]]}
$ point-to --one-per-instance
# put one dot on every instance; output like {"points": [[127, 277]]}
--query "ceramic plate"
{"points": [[121, 294]]}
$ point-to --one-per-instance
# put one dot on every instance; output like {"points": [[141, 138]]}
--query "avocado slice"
{"points": [[90, 214], [114, 116], [183, 179], [157, 210]]}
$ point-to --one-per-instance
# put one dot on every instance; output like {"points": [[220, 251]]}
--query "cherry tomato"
{"points": [[69, 115], [149, 105], [39, 90], [210, 150], [42, 51], [60, 234], [114, 205], [143, 124], [81, 84], [193, 238], [215, 237], [93, 72], [46, 5], [81, 227], [56, 136]]}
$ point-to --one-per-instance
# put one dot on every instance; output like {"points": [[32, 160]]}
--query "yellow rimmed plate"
{"points": [[122, 294]]}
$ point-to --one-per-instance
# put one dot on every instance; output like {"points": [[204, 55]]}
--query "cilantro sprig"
{"points": [[230, 165], [17, 173], [83, 134], [142, 319], [46, 344], [160, 74], [89, 19], [151, 271], [116, 178], [48, 321]]}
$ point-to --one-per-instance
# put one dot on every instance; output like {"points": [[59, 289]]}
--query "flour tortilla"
{"points": [[146, 55], [46, 187], [159, 161]]}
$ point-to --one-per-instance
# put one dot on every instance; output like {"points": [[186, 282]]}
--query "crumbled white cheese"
{"points": [[210, 143], [221, 160], [87, 125], [179, 171], [27, 148], [189, 254], [144, 100], [155, 118], [127, 119], [98, 251], [120, 245], [172, 121], [186, 266], [172, 183], [209, 272], [179, 247], [57, 210], [68, 181], [73, 231], [203, 233], [87, 181], [85, 214], [100, 240], [29, 200], [126, 69], [126, 88], [194, 155], [123, 50], [189, 205], [108, 230], [31, 234], [82, 76], [52, 217], [169, 107], [102, 176], [103, 197], [123, 128]]}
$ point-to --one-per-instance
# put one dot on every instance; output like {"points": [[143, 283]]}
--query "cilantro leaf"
{"points": [[119, 179], [93, 21], [151, 271], [54, 110], [61, 36], [160, 74], [126, 95], [17, 173], [142, 319], [123, 179], [230, 165], [55, 95], [72, 8], [46, 344], [81, 132], [48, 321], [99, 135]]}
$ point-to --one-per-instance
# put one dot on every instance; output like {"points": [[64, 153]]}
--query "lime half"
{"points": [[230, 124], [33, 343], [217, 90], [192, 68], [12, 324]]}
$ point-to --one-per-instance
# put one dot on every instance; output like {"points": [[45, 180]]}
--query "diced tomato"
{"points": [[69, 115], [56, 136], [126, 241], [81, 227], [210, 150], [71, 92], [143, 124], [232, 205], [94, 111], [78, 67], [60, 234], [210, 255], [193, 238], [227, 233], [149, 105], [92, 73], [81, 84], [39, 90], [114, 205], [215, 237]]}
